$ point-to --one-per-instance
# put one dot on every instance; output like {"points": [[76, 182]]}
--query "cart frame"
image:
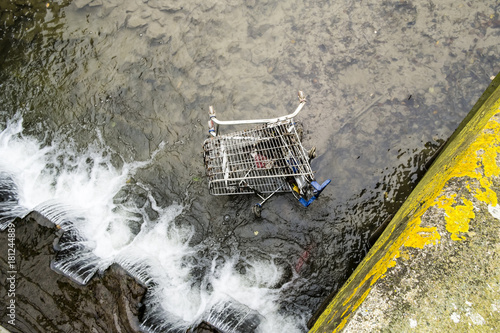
{"points": [[264, 160]]}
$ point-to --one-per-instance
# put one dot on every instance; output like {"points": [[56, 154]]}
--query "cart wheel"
{"points": [[257, 210], [312, 153]]}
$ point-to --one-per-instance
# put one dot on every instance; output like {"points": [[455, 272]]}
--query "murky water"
{"points": [[103, 86]]}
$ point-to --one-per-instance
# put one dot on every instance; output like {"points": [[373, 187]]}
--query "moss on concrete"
{"points": [[431, 267], [452, 286]]}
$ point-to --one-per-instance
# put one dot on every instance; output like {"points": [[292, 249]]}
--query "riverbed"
{"points": [[107, 104]]}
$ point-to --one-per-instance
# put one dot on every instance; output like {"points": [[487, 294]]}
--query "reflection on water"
{"points": [[386, 82]]}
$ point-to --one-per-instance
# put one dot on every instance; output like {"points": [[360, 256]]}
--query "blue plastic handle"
{"points": [[317, 191]]}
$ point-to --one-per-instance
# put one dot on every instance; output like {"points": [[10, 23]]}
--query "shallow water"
{"points": [[118, 82]]}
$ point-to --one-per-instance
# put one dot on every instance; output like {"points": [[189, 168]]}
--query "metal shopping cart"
{"points": [[264, 160]]}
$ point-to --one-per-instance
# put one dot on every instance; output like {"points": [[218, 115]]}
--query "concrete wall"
{"points": [[436, 267]]}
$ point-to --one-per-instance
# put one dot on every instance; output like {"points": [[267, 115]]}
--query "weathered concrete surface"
{"points": [[436, 267], [49, 302]]}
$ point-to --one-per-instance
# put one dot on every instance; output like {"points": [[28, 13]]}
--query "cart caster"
{"points": [[257, 210], [312, 153]]}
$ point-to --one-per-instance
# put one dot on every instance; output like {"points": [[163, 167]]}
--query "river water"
{"points": [[104, 107]]}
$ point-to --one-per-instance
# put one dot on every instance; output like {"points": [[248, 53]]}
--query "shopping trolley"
{"points": [[265, 160]]}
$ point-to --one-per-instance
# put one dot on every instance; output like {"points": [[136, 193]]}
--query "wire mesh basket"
{"points": [[264, 160]]}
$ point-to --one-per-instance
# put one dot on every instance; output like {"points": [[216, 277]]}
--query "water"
{"points": [[114, 100], [105, 222]]}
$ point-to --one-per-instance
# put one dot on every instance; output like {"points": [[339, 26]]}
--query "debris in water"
{"points": [[303, 259]]}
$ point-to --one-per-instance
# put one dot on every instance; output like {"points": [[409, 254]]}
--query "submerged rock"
{"points": [[49, 302]]}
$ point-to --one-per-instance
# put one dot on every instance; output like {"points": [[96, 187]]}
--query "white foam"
{"points": [[79, 187], [22, 158], [78, 190], [255, 290]]}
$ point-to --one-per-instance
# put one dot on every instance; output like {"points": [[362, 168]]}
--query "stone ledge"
{"points": [[435, 267]]}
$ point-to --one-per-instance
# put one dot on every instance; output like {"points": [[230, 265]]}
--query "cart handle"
{"points": [[302, 101]]}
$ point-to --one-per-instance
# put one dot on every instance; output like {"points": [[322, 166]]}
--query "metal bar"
{"points": [[259, 121]]}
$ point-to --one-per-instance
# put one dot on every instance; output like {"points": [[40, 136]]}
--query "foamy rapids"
{"points": [[93, 202]]}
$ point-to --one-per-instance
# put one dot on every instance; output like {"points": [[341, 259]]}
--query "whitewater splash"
{"points": [[87, 196]]}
